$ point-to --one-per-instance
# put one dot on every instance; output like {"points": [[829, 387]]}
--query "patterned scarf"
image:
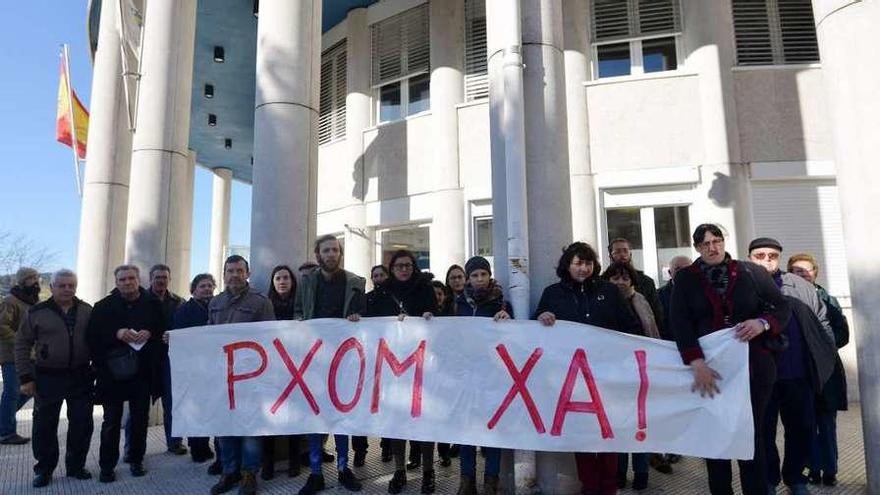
{"points": [[717, 275]]}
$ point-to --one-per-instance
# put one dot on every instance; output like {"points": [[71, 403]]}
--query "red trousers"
{"points": [[597, 472]]}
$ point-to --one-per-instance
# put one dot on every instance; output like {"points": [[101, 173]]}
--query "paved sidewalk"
{"points": [[179, 475]]}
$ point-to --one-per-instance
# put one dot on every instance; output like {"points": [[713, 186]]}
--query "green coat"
{"points": [[12, 312], [304, 301]]}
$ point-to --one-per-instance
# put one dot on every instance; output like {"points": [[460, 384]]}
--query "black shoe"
{"points": [[268, 472], [248, 484], [126, 459], [293, 470], [413, 465], [327, 457], [177, 450], [829, 480], [313, 485], [398, 481], [490, 485], [360, 458], [41, 480], [467, 486], [661, 463], [640, 481], [428, 485], [227, 482], [216, 468], [107, 477], [815, 477], [673, 458], [621, 481], [80, 474], [454, 450], [386, 455], [445, 461], [200, 457], [347, 479], [14, 439], [137, 470]]}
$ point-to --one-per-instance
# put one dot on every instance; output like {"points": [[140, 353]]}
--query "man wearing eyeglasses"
{"points": [[803, 367], [328, 291]]}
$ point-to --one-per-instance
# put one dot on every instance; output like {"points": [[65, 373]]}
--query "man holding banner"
{"points": [[328, 291], [239, 303]]}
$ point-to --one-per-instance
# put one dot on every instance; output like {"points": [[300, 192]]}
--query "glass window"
{"points": [[415, 239], [613, 60], [389, 102], [627, 223], [419, 94], [672, 230], [659, 54], [483, 236]]}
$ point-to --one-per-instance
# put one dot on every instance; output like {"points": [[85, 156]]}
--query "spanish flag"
{"points": [[65, 132]]}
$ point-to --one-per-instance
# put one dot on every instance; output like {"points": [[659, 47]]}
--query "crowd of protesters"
{"points": [[63, 349]]}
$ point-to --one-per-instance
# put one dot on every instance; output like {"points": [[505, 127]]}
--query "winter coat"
{"points": [[664, 295], [697, 310], [797, 287], [193, 313], [643, 311], [472, 302], [44, 335], [307, 288], [833, 396], [414, 297], [645, 286], [12, 311], [603, 306], [108, 316], [820, 349], [244, 307]]}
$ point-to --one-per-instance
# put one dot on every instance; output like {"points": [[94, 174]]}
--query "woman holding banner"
{"points": [[481, 296], [718, 292], [407, 292], [581, 296], [282, 288]]}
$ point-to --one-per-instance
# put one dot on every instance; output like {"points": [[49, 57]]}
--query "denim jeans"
{"points": [[469, 460], [824, 452], [10, 400], [316, 451], [640, 463], [166, 406], [240, 454]]}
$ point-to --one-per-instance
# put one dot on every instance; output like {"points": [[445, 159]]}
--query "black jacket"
{"points": [[820, 351], [596, 302], [192, 313], [414, 298], [469, 304], [108, 316], [697, 310], [834, 396], [664, 295]]}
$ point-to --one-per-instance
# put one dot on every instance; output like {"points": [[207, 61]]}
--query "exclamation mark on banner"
{"points": [[641, 359]]}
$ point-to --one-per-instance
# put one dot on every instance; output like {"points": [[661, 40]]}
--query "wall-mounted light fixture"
{"points": [[227, 143], [212, 120], [209, 90], [219, 54]]}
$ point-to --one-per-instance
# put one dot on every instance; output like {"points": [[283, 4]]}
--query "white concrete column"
{"points": [[182, 209], [722, 195], [848, 39], [284, 211], [105, 189], [498, 37], [447, 233], [576, 24], [358, 248], [221, 195], [160, 151]]}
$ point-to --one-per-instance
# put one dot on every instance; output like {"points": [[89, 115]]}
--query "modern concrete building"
{"points": [[383, 121]]}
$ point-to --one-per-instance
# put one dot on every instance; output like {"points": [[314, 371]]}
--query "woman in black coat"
{"points": [[718, 292], [407, 292], [583, 297]]}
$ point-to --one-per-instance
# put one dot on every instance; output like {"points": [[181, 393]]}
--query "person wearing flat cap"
{"points": [[803, 366]]}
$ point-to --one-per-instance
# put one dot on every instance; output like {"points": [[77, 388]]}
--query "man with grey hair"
{"points": [[60, 371], [24, 294]]}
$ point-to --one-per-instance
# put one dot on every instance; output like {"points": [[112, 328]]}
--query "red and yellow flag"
{"points": [[64, 131]]}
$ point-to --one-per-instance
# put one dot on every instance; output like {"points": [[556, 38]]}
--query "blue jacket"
{"points": [[192, 313]]}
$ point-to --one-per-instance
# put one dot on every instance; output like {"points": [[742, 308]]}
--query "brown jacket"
{"points": [[12, 312], [245, 307], [44, 334]]}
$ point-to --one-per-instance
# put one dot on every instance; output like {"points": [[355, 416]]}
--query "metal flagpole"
{"points": [[74, 142]]}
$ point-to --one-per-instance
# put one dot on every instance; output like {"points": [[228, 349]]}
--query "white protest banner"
{"points": [[472, 381]]}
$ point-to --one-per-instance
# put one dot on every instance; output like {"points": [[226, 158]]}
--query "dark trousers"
{"points": [[444, 449], [139, 408], [52, 390], [753, 473], [269, 444], [359, 444], [824, 451], [794, 401], [597, 472]]}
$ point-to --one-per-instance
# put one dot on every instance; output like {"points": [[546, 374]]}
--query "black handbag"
{"points": [[122, 362]]}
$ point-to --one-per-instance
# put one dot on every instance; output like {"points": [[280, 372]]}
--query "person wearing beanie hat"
{"points": [[765, 242], [13, 309], [481, 297]]}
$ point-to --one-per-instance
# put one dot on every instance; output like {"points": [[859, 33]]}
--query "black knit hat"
{"points": [[765, 242], [477, 263]]}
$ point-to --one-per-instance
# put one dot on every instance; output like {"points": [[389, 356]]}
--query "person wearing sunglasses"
{"points": [[803, 366]]}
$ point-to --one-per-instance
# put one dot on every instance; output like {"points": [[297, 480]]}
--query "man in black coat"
{"points": [[124, 336]]}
